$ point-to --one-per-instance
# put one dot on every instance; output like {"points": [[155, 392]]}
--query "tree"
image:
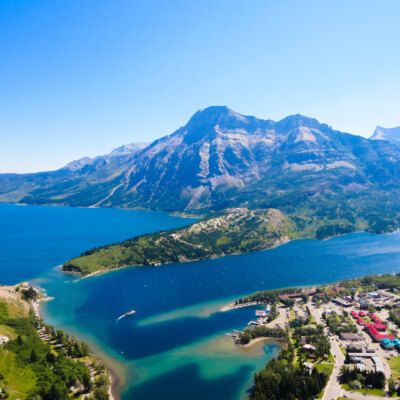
{"points": [[50, 358], [101, 393], [58, 391], [392, 387], [33, 358], [304, 297]]}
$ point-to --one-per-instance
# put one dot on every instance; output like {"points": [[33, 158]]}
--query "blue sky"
{"points": [[80, 77]]}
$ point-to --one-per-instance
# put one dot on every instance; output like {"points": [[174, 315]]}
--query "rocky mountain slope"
{"points": [[392, 135], [79, 176], [223, 159]]}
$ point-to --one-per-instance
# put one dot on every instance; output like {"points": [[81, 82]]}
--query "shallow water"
{"points": [[174, 347]]}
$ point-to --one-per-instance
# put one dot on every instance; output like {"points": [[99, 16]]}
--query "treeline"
{"points": [[241, 231], [268, 296], [354, 377], [282, 381], [54, 373], [261, 331], [335, 323], [71, 346], [53, 367], [316, 337]]}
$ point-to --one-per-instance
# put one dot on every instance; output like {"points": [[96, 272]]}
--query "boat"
{"points": [[130, 313]]}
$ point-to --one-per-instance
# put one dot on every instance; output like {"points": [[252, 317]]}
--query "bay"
{"points": [[174, 346]]}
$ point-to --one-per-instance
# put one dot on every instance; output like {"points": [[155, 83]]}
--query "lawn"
{"points": [[373, 392], [18, 380], [328, 368], [394, 364], [7, 331]]}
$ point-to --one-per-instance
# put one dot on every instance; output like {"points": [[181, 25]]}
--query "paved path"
{"points": [[333, 389]]}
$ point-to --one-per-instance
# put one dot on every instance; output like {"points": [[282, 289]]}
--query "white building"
{"points": [[3, 339]]}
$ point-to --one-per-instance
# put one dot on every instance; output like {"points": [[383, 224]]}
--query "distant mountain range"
{"points": [[392, 135], [222, 159]]}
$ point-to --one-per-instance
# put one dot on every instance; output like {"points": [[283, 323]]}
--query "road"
{"points": [[333, 389]]}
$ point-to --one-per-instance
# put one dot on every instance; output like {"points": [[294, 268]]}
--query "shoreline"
{"points": [[257, 340], [213, 257], [115, 379]]}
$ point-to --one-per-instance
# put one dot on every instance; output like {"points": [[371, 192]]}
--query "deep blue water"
{"points": [[174, 344], [34, 239]]}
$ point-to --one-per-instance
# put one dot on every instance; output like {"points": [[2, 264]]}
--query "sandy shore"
{"points": [[257, 340]]}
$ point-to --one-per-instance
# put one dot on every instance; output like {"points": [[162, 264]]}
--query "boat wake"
{"points": [[122, 316]]}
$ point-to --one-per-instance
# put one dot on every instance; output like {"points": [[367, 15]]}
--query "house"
{"points": [[364, 304], [308, 366], [3, 339], [309, 347], [362, 314], [303, 340], [354, 348], [349, 336]]}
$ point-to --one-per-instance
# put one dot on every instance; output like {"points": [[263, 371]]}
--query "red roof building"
{"points": [[378, 336]]}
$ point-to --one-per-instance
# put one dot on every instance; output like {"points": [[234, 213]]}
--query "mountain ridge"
{"points": [[220, 159]]}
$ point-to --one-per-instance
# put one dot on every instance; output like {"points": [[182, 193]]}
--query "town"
{"points": [[347, 331]]}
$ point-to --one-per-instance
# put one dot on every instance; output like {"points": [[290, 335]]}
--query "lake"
{"points": [[174, 346]]}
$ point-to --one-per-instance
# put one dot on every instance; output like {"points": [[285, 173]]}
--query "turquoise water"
{"points": [[174, 347]]}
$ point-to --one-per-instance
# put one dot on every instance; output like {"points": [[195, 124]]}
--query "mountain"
{"points": [[392, 135], [222, 159], [76, 176]]}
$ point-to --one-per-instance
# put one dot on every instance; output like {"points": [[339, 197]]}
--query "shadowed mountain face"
{"points": [[220, 159], [392, 135]]}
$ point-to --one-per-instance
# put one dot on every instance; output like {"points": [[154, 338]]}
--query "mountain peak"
{"points": [[392, 135], [297, 120]]}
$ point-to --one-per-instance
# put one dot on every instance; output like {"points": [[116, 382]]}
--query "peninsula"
{"points": [[233, 231]]}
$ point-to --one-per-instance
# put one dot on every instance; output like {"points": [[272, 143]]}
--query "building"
{"points": [[379, 366], [3, 339], [376, 336], [354, 314], [390, 343], [349, 336], [364, 304], [341, 302], [354, 348]]}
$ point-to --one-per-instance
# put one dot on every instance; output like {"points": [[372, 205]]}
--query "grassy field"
{"points": [[328, 368], [373, 392], [394, 364], [18, 380]]}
